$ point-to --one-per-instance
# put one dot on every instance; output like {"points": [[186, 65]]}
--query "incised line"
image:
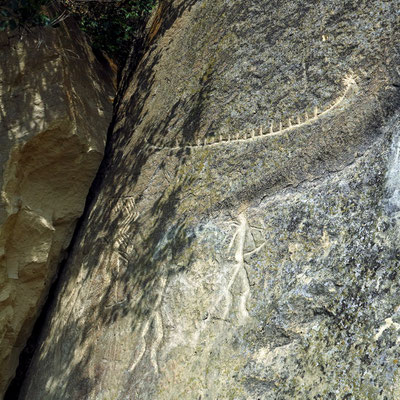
{"points": [[239, 237], [256, 134], [240, 268], [242, 230], [129, 215], [155, 318]]}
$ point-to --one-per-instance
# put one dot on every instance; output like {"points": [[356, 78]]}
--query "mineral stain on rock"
{"points": [[211, 266]]}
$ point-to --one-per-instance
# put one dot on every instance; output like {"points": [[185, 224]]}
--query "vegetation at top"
{"points": [[23, 14], [111, 25]]}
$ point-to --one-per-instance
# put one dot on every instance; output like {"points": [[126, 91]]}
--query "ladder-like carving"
{"points": [[266, 131], [127, 207]]}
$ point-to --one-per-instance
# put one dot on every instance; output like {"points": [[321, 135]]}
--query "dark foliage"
{"points": [[111, 25], [23, 14]]}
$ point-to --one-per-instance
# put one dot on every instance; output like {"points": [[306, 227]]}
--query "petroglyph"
{"points": [[159, 334], [126, 206], [129, 215], [239, 270], [301, 119], [242, 239], [155, 321], [256, 248]]}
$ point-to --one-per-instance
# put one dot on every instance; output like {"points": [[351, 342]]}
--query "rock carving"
{"points": [[127, 207], [348, 82], [239, 270], [240, 238], [154, 320]]}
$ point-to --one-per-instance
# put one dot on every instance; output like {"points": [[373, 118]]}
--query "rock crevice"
{"points": [[55, 108]]}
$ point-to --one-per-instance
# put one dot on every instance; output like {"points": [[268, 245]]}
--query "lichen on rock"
{"points": [[259, 269]]}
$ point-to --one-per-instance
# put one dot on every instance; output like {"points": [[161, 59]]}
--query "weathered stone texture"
{"points": [[55, 108], [260, 268]]}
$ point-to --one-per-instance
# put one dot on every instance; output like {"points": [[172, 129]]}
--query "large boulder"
{"points": [[55, 108], [244, 239]]}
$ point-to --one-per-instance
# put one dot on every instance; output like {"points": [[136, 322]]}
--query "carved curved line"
{"points": [[155, 318], [240, 235], [243, 312], [158, 327], [348, 82], [255, 250], [241, 269], [228, 298], [142, 346]]}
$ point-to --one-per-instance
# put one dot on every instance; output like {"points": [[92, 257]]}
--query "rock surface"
{"points": [[220, 263], [55, 108]]}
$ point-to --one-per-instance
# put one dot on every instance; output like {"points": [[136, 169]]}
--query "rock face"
{"points": [[55, 109], [244, 241]]}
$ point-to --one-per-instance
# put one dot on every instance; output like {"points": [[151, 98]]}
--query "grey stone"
{"points": [[259, 268]]}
